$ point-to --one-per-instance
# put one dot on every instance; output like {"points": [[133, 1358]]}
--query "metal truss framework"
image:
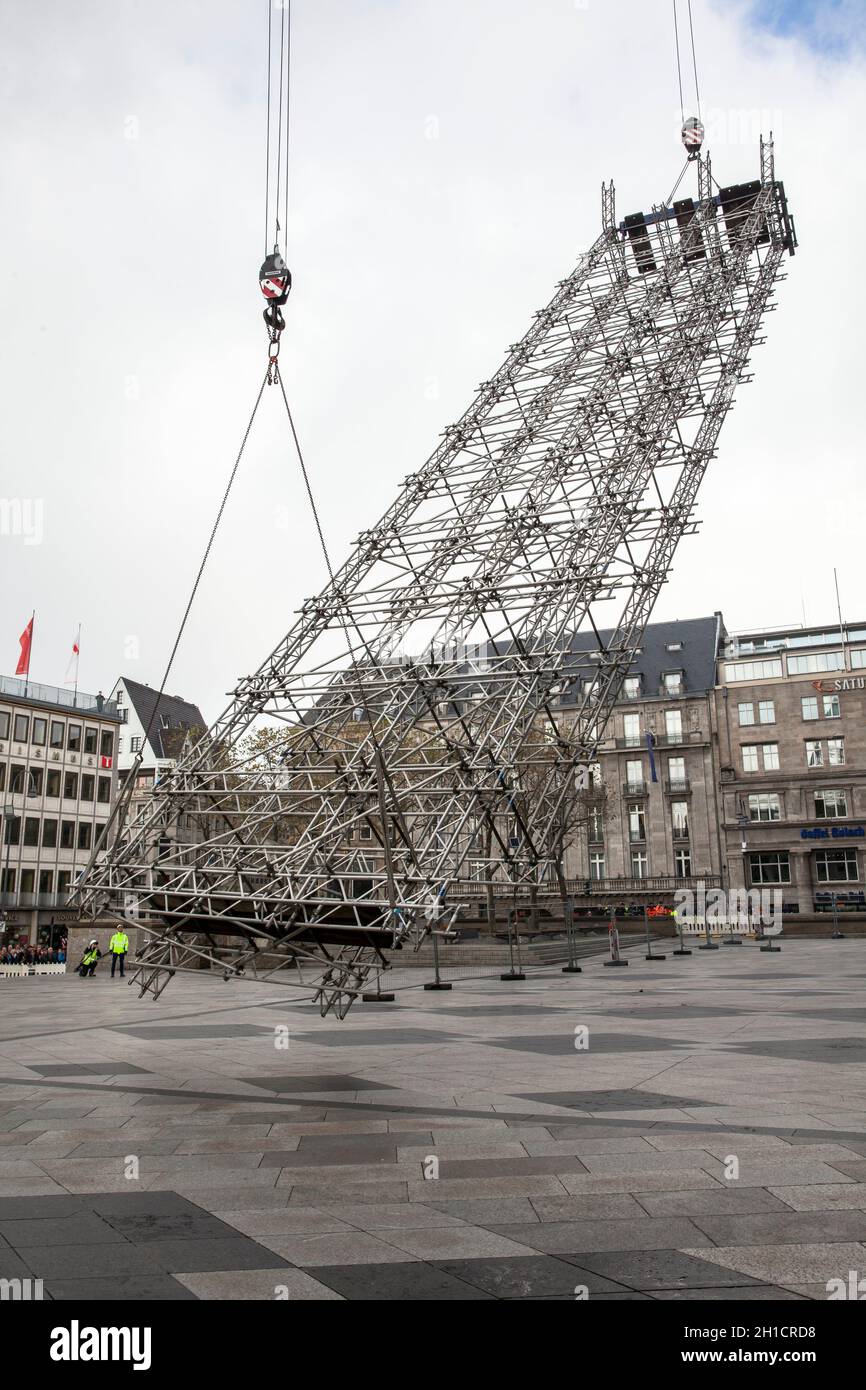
{"points": [[440, 701]]}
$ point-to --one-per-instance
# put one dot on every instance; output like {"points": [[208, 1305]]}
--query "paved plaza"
{"points": [[227, 1143]]}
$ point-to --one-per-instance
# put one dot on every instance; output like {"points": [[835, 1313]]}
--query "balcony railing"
{"points": [[54, 695], [678, 786], [634, 788], [664, 883], [29, 901]]}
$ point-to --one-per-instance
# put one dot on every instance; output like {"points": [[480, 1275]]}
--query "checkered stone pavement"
{"points": [[709, 1143]]}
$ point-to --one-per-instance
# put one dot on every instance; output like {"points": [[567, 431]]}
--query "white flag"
{"points": [[72, 669]]}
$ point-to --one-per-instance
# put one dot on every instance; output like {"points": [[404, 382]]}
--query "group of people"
{"points": [[117, 949], [33, 955]]}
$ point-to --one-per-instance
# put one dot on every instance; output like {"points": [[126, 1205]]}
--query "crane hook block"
{"points": [[275, 279], [692, 136]]}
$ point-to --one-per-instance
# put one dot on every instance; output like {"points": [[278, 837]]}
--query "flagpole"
{"points": [[29, 650], [77, 660]]}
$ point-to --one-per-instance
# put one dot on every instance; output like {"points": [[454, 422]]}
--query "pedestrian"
{"points": [[118, 946], [89, 960]]}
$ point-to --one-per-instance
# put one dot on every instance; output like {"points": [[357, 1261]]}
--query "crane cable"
{"points": [[694, 60], [278, 86]]}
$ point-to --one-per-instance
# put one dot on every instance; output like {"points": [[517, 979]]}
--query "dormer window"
{"points": [[631, 688], [673, 682], [674, 647]]}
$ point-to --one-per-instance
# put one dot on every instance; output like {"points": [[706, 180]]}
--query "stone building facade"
{"points": [[791, 716], [58, 782]]}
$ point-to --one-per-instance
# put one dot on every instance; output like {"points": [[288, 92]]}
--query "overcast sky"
{"points": [[446, 159]]}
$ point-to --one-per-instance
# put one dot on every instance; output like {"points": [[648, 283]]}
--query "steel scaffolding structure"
{"points": [[439, 704]]}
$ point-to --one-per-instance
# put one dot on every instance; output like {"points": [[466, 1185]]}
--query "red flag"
{"points": [[26, 638]]}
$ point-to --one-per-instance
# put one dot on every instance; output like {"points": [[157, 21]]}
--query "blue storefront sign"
{"points": [[834, 832]]}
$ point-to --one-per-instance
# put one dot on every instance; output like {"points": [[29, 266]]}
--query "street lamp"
{"points": [[8, 815]]}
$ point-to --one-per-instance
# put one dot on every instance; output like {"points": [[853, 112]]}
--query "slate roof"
{"points": [[696, 659], [181, 716]]}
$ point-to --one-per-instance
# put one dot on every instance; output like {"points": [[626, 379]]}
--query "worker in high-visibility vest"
{"points": [[89, 960], [118, 946]]}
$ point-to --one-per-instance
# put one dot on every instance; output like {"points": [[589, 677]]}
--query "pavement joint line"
{"points": [[317, 1102]]}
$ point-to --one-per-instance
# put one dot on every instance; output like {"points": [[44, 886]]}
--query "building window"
{"points": [[673, 682], [88, 783], [63, 878], [40, 731], [815, 661], [2, 776], [766, 712], [674, 725], [764, 806], [771, 757], [4, 724], [13, 830], [67, 834], [57, 732], [683, 863], [636, 824], [90, 739], [70, 786], [752, 670], [22, 728], [680, 818], [28, 880], [638, 863], [46, 881], [809, 706], [830, 805], [34, 781], [52, 783], [596, 866], [677, 773], [750, 757], [814, 753], [49, 834], [103, 789], [73, 738], [832, 707], [836, 866], [135, 744], [31, 831], [835, 751], [106, 743], [16, 778], [634, 774], [746, 712], [770, 868], [84, 833], [365, 833], [596, 826], [631, 687], [631, 730]]}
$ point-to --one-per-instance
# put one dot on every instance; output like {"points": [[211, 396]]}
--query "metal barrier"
{"points": [[516, 956], [12, 972]]}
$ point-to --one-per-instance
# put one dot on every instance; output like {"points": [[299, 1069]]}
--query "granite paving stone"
{"points": [[386, 1282], [262, 1285], [267, 1176]]}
